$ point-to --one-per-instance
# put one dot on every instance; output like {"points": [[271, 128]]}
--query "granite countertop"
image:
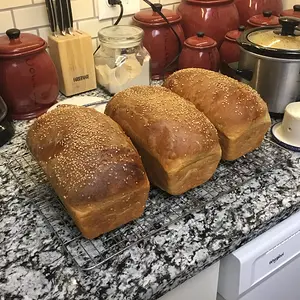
{"points": [[33, 264]]}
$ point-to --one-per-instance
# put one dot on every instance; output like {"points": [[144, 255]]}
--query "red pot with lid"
{"points": [[200, 51], [159, 39], [249, 8], [294, 12], [29, 83], [230, 51], [265, 19], [215, 17]]}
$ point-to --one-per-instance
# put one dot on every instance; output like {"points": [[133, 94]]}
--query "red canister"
{"points": [[200, 51], [249, 8], [29, 83], [230, 51], [215, 17], [160, 40]]}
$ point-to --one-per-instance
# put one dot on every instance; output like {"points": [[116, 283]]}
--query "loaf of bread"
{"points": [[236, 110], [93, 167], [178, 145]]}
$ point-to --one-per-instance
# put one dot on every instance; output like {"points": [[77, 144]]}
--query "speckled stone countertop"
{"points": [[34, 266]]}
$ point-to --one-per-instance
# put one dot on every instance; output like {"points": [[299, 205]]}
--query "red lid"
{"points": [[295, 12], [233, 35], [200, 41], [210, 2], [264, 19], [152, 18], [15, 43]]}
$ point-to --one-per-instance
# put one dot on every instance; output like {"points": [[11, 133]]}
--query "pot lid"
{"points": [[264, 19], [283, 38], [279, 42], [294, 12], [233, 35], [15, 43], [152, 18], [200, 41]]}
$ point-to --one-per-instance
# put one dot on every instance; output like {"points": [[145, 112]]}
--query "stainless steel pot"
{"points": [[270, 63]]}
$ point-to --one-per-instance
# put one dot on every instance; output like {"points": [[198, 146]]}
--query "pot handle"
{"points": [[243, 73], [289, 25]]}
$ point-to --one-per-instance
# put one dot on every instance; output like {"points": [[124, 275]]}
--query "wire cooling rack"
{"points": [[161, 211]]}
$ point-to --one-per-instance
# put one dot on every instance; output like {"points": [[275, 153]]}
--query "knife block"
{"points": [[74, 62]]}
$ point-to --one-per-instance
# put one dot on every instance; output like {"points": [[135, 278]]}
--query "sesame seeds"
{"points": [[162, 122], [225, 101], [84, 151]]}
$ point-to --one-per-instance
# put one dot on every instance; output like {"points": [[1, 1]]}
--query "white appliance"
{"points": [[201, 287], [267, 268]]}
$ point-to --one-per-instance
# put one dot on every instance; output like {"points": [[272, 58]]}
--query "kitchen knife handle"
{"points": [[60, 17], [51, 15], [69, 13], [68, 18]]}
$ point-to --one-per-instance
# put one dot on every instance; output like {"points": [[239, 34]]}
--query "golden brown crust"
{"points": [[89, 161], [169, 131], [232, 107]]}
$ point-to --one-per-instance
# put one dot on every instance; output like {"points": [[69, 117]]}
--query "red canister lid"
{"points": [[294, 12], [15, 43], [200, 41], [152, 18], [264, 19], [233, 35], [210, 2]]}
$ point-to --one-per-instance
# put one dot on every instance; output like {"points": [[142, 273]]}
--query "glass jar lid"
{"points": [[121, 36]]}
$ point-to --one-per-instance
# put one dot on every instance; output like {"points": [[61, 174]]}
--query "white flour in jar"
{"points": [[129, 73]]}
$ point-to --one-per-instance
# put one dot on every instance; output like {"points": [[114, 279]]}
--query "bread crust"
{"points": [[92, 165], [235, 109], [171, 135]]}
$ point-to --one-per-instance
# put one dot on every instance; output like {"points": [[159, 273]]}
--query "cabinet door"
{"points": [[201, 287]]}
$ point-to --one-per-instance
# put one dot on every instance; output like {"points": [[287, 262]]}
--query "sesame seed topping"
{"points": [[163, 123], [85, 154], [230, 105]]}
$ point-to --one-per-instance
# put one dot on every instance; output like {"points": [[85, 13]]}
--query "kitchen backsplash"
{"points": [[31, 16]]}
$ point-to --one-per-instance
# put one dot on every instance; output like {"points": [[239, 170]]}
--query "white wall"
{"points": [[31, 16], [290, 3]]}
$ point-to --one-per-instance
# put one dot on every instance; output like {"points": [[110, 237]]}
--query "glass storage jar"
{"points": [[121, 60]]}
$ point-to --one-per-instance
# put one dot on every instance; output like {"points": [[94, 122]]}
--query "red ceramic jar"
{"points": [[249, 8], [29, 83], [264, 19], [200, 51], [294, 12], [159, 39], [215, 17], [230, 51]]}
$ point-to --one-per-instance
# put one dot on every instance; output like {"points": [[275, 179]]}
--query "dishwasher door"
{"points": [[267, 268], [283, 285]]}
